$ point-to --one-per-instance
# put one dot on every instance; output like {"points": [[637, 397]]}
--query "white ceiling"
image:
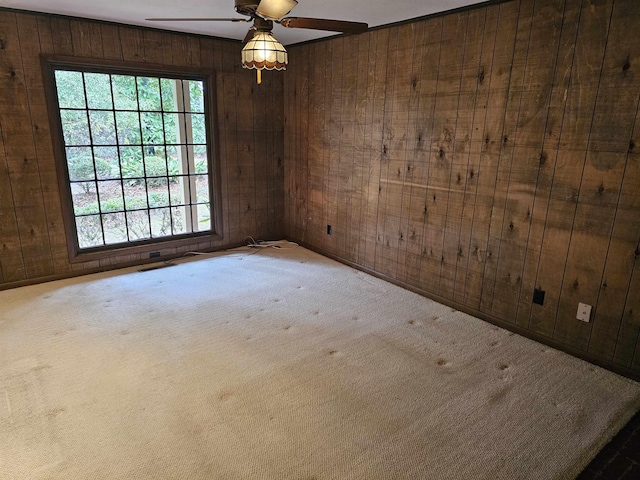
{"points": [[134, 12]]}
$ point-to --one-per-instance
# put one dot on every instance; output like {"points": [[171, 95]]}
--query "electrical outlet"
{"points": [[538, 296], [584, 312], [154, 254]]}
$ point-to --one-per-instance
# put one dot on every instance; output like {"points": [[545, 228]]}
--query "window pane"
{"points": [[135, 197], [110, 196], [106, 159], [103, 128], [85, 198], [176, 193], [168, 95], [160, 222], [75, 127], [201, 161], [196, 95], [173, 160], [149, 93], [178, 215], [172, 122], [125, 95], [98, 90], [204, 218], [158, 192], [138, 225], [128, 128], [202, 188], [115, 228], [155, 165], [199, 131], [70, 89], [80, 163], [89, 231], [131, 163], [152, 128]]}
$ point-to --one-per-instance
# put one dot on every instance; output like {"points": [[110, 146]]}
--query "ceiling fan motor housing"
{"points": [[247, 7]]}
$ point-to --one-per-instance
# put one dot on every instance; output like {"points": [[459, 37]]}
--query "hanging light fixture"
{"points": [[263, 51]]}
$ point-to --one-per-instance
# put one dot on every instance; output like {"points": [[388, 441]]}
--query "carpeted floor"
{"points": [[282, 364]]}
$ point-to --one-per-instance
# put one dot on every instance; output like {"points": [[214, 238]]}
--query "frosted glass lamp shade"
{"points": [[264, 52], [274, 9]]}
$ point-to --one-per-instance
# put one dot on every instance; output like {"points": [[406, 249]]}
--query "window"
{"points": [[134, 154]]}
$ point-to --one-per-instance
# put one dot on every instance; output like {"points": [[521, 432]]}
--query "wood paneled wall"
{"points": [[478, 155], [250, 119]]}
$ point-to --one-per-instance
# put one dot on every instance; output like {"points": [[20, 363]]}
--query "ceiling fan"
{"points": [[261, 50]]}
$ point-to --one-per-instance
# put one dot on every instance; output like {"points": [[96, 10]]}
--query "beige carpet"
{"points": [[282, 364]]}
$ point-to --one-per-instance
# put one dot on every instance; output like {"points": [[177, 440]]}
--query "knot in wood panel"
{"points": [[481, 74], [632, 145], [627, 65], [543, 158]]}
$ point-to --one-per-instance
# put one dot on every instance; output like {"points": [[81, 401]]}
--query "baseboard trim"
{"points": [[108, 268]]}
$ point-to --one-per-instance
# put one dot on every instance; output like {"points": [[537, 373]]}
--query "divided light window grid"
{"points": [[136, 156]]}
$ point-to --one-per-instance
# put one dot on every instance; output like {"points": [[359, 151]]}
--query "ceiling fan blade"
{"points": [[275, 9], [319, 24], [248, 36], [202, 19]]}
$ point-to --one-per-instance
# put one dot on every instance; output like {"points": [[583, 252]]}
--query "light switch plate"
{"points": [[584, 312]]}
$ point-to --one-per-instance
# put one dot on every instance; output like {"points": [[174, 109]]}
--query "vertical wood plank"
{"points": [[592, 220], [498, 78], [377, 57], [523, 175], [453, 249], [475, 146], [506, 159], [547, 158], [571, 154], [31, 47], [20, 152]]}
